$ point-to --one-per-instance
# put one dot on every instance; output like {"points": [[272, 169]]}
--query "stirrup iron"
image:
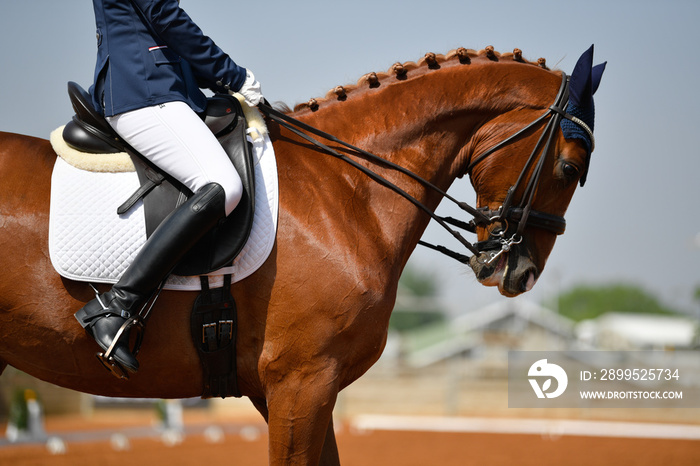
{"points": [[107, 357]]}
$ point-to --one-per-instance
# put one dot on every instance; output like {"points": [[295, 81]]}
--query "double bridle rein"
{"points": [[510, 218]]}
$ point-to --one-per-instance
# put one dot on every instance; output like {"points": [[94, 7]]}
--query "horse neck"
{"points": [[427, 124]]}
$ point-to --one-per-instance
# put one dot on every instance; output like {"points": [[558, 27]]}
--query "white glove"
{"points": [[251, 89]]}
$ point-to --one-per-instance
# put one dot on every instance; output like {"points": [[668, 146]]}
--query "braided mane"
{"points": [[402, 71]]}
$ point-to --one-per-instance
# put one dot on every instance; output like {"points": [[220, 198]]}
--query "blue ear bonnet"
{"points": [[583, 83], [574, 130]]}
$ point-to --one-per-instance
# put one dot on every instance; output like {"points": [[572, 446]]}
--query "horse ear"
{"points": [[585, 79], [580, 84], [596, 76]]}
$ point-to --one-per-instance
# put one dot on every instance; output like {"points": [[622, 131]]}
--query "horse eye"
{"points": [[569, 170]]}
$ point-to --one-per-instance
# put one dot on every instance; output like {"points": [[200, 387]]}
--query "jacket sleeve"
{"points": [[213, 68]]}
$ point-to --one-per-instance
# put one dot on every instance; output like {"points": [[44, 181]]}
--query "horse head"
{"points": [[542, 162]]}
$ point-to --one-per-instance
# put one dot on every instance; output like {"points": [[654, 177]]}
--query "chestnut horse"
{"points": [[314, 317]]}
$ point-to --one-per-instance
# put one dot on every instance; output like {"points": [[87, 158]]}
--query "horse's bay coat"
{"points": [[315, 316]]}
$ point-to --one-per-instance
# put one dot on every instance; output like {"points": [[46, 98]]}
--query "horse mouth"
{"points": [[512, 273]]}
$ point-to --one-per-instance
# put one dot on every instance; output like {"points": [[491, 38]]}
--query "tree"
{"points": [[588, 302]]}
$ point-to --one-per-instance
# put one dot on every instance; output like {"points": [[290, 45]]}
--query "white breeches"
{"points": [[174, 138]]}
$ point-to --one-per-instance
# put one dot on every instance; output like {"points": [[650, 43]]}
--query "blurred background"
{"points": [[625, 276]]}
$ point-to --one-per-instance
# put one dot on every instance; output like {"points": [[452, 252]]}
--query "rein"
{"points": [[522, 215], [297, 126]]}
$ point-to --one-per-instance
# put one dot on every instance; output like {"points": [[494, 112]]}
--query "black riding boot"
{"points": [[105, 315]]}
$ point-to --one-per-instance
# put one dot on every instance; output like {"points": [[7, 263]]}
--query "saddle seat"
{"points": [[89, 132]]}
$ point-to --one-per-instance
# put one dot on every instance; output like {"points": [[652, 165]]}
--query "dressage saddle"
{"points": [[89, 132]]}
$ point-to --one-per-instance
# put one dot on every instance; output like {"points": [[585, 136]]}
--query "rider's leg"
{"points": [[178, 141]]}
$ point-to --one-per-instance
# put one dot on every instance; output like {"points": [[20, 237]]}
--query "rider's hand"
{"points": [[251, 90]]}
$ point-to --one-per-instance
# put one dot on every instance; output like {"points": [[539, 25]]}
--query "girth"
{"points": [[214, 323]]}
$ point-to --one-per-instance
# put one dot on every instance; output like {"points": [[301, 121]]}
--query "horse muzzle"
{"points": [[513, 272]]}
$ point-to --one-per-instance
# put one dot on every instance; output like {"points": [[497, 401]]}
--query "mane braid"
{"points": [[402, 71]]}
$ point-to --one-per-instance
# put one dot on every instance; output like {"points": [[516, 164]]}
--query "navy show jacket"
{"points": [[150, 52]]}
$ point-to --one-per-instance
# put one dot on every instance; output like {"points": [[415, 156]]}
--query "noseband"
{"points": [[511, 218]]}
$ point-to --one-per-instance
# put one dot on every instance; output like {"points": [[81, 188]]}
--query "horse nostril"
{"points": [[528, 281]]}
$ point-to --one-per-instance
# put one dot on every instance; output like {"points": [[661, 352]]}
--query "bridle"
{"points": [[509, 216], [514, 219]]}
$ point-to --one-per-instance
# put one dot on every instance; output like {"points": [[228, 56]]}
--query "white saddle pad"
{"points": [[89, 242]]}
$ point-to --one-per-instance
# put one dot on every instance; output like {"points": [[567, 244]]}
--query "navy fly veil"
{"points": [[583, 83]]}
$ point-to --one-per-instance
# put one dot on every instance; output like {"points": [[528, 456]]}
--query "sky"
{"points": [[636, 221]]}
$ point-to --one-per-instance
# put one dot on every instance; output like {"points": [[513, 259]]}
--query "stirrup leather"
{"points": [[107, 357]]}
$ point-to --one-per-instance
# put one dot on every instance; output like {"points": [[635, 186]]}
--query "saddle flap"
{"points": [[220, 246]]}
